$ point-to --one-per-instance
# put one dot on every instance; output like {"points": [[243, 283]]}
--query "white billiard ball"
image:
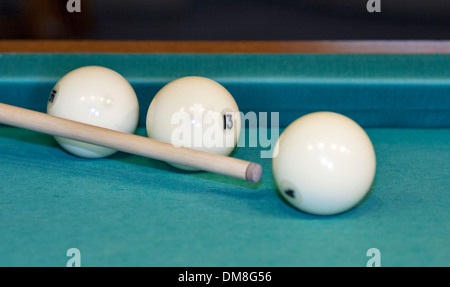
{"points": [[97, 96], [195, 112], [324, 163]]}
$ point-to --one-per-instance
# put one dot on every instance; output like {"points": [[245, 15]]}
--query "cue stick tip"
{"points": [[253, 172]]}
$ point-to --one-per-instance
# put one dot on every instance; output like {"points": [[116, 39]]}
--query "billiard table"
{"points": [[127, 210]]}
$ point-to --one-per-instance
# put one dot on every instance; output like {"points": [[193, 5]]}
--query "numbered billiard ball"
{"points": [[97, 96], [195, 112], [324, 163]]}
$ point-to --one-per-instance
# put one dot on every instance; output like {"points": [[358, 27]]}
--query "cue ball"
{"points": [[324, 163], [195, 112], [97, 96]]}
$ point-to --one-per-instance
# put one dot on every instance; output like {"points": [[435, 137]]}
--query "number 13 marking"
{"points": [[227, 122]]}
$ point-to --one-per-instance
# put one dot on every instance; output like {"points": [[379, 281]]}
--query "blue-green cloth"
{"points": [[374, 90], [127, 210], [132, 211]]}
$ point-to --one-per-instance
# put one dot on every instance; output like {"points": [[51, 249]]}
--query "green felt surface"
{"points": [[375, 90], [131, 211]]}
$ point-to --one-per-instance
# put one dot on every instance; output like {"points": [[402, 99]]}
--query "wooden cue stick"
{"points": [[129, 143]]}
